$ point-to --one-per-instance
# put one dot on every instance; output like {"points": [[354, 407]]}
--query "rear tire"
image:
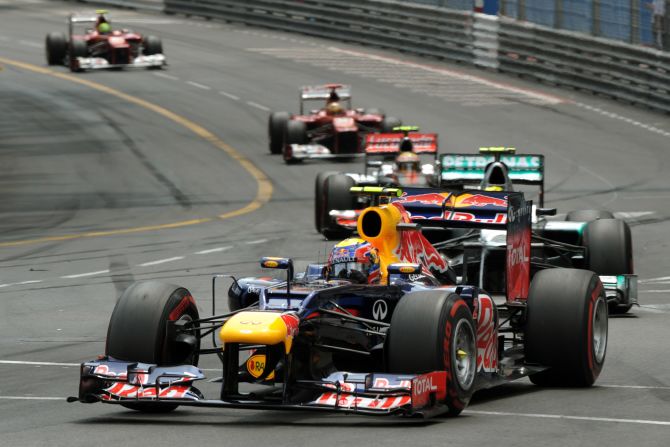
{"points": [[152, 45], [566, 327], [56, 48], [428, 329], [320, 213], [137, 330], [389, 123], [588, 215], [276, 127], [296, 133], [609, 251], [337, 196]]}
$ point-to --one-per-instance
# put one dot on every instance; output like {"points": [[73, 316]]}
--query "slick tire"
{"points": [[296, 133], [428, 329], [337, 194], [152, 45], [609, 251], [78, 48], [56, 48], [276, 128], [389, 123], [588, 215], [138, 330], [320, 211], [566, 327]]}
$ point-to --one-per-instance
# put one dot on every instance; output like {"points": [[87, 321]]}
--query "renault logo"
{"points": [[379, 310]]}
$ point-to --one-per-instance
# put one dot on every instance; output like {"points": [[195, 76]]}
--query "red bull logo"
{"points": [[482, 200], [426, 199]]}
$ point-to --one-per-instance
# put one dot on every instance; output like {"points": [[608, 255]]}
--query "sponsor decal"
{"points": [[480, 200], [123, 390], [425, 199], [518, 248], [406, 269], [380, 310], [256, 366], [350, 401], [487, 340], [292, 322], [425, 385], [270, 264], [178, 311]]}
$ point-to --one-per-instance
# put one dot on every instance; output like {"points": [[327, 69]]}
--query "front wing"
{"points": [[118, 382], [303, 151], [99, 63]]}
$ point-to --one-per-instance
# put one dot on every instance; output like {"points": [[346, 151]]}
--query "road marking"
{"points": [[230, 95], [33, 281], [623, 118], [213, 250], [566, 417], [632, 214], [31, 398], [263, 193], [655, 291], [166, 76], [81, 275], [161, 261], [661, 278], [23, 362], [258, 106], [200, 86], [635, 387], [30, 44], [257, 241]]}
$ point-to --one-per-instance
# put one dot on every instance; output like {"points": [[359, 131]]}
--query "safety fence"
{"points": [[626, 72]]}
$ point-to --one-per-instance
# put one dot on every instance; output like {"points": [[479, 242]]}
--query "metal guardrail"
{"points": [[144, 5]]}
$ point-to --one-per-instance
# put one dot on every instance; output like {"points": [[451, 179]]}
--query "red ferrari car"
{"points": [[334, 131], [98, 46]]}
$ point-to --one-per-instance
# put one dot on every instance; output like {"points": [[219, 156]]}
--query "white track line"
{"points": [[213, 250], [160, 261], [454, 74], [258, 106], [258, 241], [166, 76], [31, 398], [200, 86], [28, 43], [624, 119], [22, 362], [566, 417], [661, 278], [654, 291], [81, 275], [34, 281], [229, 95]]}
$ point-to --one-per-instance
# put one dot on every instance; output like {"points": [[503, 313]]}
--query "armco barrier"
{"points": [[622, 71]]}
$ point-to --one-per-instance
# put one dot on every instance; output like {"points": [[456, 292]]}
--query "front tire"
{"points": [[566, 327], [138, 332], [152, 45], [56, 48], [434, 331], [78, 48], [296, 133], [276, 127]]}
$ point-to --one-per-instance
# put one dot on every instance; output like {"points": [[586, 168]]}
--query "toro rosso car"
{"points": [[336, 130], [407, 345], [402, 158], [92, 44]]}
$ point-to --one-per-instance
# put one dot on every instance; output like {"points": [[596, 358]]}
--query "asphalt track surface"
{"points": [[97, 191]]}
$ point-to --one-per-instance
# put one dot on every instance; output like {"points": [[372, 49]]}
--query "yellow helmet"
{"points": [[334, 108]]}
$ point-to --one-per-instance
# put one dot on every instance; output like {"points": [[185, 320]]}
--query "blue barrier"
{"points": [[578, 15], [615, 20], [541, 12]]}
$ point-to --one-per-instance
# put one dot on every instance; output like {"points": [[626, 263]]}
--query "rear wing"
{"points": [[324, 91], [524, 169], [389, 143]]}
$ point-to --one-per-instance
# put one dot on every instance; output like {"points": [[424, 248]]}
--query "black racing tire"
{"points": [[296, 133], [337, 195], [566, 327], [389, 123], [56, 48], [138, 330], [78, 48], [152, 45], [320, 213], [588, 215], [609, 251], [276, 127], [422, 325]]}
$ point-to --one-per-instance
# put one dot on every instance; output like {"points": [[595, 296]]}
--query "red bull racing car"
{"points": [[406, 343], [336, 130], [92, 44]]}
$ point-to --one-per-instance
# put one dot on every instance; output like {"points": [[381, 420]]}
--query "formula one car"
{"points": [[406, 346], [402, 158], [97, 46], [334, 131]]}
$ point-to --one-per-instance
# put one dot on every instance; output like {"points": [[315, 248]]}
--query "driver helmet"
{"points": [[334, 108], [408, 162], [355, 260], [104, 28]]}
